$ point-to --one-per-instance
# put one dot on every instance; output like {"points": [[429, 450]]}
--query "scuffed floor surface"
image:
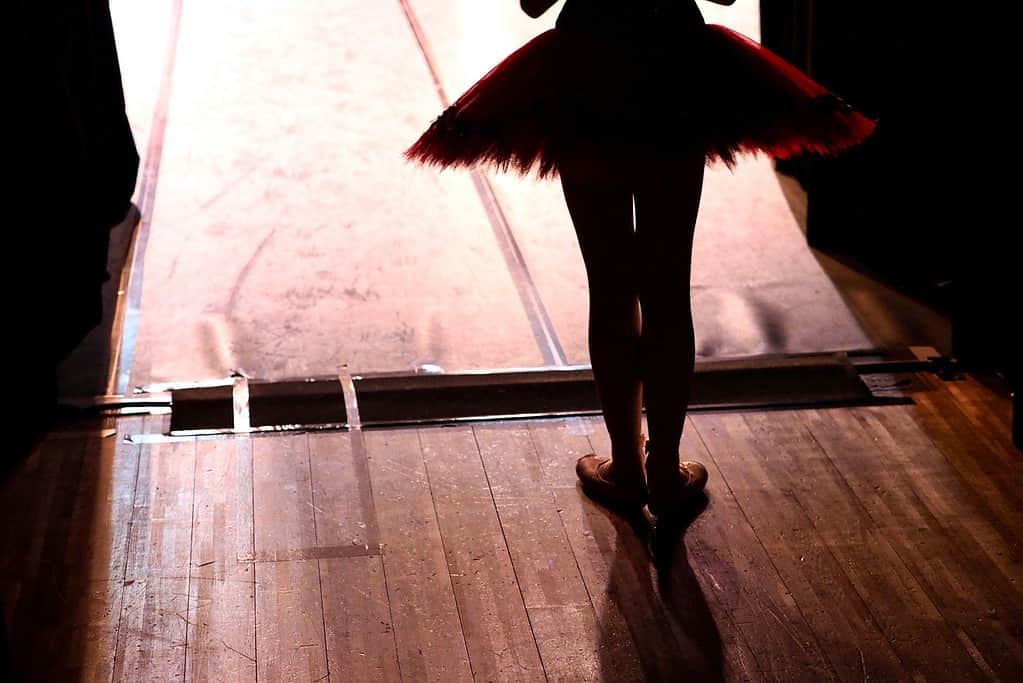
{"points": [[876, 544]]}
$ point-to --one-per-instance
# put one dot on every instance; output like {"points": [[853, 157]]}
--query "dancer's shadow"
{"points": [[652, 589]]}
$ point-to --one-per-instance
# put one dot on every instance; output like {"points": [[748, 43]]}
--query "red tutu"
{"points": [[576, 96]]}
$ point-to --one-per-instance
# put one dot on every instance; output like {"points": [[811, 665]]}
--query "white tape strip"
{"points": [[240, 395], [351, 402]]}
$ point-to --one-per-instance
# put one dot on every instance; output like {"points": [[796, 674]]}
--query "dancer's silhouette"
{"points": [[627, 100]]}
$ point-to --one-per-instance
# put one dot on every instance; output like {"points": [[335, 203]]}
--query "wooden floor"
{"points": [[877, 544]]}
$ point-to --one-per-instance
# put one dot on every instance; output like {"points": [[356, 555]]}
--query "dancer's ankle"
{"points": [[661, 461], [629, 478]]}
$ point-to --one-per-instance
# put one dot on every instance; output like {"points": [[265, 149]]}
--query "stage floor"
{"points": [[852, 544]]}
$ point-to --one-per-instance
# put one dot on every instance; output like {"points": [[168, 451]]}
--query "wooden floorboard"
{"points": [[427, 629], [566, 628], [984, 457], [781, 471], [359, 632], [221, 580], [153, 624], [988, 408], [45, 581], [744, 593], [979, 470], [497, 632], [97, 546], [969, 590], [769, 564], [628, 600], [28, 497], [290, 629], [873, 543], [65, 533], [942, 493]]}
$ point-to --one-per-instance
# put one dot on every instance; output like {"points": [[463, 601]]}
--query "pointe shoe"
{"points": [[592, 472], [693, 482]]}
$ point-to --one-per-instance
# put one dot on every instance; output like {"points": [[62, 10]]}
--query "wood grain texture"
{"points": [[834, 524], [494, 622], [42, 514], [222, 585], [546, 569], [877, 543], [806, 577], [427, 628], [573, 641], [97, 547], [66, 512], [290, 631], [357, 615], [153, 633]]}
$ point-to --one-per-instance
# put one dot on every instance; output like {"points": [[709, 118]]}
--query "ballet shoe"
{"points": [[593, 473], [663, 502]]}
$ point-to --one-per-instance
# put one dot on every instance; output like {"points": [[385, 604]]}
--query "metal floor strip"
{"points": [[387, 400]]}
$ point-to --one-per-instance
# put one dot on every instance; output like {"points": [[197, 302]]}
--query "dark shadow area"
{"points": [[74, 166], [76, 169], [871, 208], [654, 592], [56, 571], [922, 206], [84, 372]]}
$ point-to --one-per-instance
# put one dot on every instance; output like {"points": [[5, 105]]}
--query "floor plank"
{"points": [[66, 511], [559, 443], [566, 628], [888, 588], [986, 480], [153, 626], [494, 622], [766, 633], [978, 411], [664, 614], [686, 597], [290, 630], [427, 629], [877, 543], [97, 550], [944, 494], [989, 411], [810, 579], [965, 584], [222, 588], [544, 564], [359, 632], [43, 491], [989, 464]]}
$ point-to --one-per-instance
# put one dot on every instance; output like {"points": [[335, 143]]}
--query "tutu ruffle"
{"points": [[613, 102]]}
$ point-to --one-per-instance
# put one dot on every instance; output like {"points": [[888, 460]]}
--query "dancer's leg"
{"points": [[666, 210], [601, 211]]}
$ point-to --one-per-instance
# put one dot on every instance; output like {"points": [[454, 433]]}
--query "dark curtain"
{"points": [[929, 205], [74, 170]]}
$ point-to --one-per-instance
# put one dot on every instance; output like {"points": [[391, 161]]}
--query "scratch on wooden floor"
{"points": [[237, 652]]}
